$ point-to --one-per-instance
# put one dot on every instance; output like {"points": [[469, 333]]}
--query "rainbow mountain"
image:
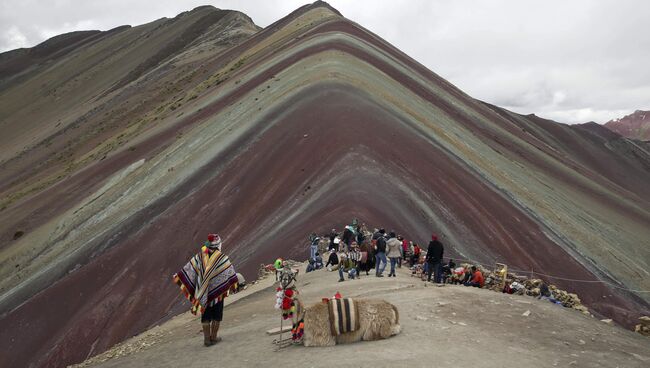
{"points": [[122, 149]]}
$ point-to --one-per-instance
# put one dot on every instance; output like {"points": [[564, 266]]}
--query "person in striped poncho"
{"points": [[205, 281]]}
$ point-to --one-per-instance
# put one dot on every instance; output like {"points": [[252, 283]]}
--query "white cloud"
{"points": [[572, 61], [583, 115], [14, 39], [86, 24]]}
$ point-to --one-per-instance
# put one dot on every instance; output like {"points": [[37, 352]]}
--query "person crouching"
{"points": [[348, 266]]}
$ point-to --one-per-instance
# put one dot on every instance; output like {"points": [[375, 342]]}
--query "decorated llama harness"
{"points": [[287, 301]]}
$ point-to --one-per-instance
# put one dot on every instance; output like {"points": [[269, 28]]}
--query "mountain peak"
{"points": [[324, 4], [635, 125]]}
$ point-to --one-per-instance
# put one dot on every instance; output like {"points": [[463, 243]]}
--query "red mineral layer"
{"points": [[128, 289], [634, 126], [43, 206]]}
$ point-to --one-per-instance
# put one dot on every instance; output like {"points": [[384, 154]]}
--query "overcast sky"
{"points": [[570, 61]]}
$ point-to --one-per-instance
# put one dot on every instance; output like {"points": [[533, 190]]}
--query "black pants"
{"points": [[414, 260], [213, 313], [434, 267]]}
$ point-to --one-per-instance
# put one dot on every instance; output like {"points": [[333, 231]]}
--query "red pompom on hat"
{"points": [[215, 241]]}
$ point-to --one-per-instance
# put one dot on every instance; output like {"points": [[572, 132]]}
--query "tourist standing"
{"points": [[313, 247], [394, 253], [355, 256], [405, 250], [434, 258], [380, 255], [364, 258], [415, 255]]}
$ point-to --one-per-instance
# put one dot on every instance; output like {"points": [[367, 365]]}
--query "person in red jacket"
{"points": [[416, 255], [477, 278]]}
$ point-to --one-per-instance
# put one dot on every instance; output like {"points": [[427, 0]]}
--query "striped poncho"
{"points": [[208, 276]]}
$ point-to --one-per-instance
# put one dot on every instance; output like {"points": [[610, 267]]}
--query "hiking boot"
{"points": [[207, 341], [380, 275], [341, 280], [214, 330]]}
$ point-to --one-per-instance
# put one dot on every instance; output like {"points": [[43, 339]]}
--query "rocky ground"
{"points": [[442, 326]]}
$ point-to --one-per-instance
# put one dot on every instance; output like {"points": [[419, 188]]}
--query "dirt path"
{"points": [[448, 326]]}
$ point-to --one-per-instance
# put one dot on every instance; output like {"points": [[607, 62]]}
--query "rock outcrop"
{"points": [[634, 126]]}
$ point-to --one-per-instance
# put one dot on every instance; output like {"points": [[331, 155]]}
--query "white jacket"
{"points": [[393, 246]]}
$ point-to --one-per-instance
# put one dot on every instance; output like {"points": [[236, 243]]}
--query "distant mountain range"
{"points": [[635, 125]]}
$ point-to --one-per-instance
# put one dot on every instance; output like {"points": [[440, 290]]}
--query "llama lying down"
{"points": [[337, 321]]}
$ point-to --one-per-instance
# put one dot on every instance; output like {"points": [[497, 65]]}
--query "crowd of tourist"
{"points": [[357, 251]]}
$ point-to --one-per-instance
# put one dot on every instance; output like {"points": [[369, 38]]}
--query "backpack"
{"points": [[381, 244]]}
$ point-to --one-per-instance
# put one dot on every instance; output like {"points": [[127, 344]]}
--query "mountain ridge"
{"points": [[304, 124]]}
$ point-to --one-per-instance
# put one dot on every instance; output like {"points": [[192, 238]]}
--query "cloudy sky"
{"points": [[570, 61]]}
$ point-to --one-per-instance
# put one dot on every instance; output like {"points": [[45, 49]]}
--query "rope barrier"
{"points": [[590, 281], [532, 272]]}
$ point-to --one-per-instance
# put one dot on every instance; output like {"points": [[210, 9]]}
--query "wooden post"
{"points": [[280, 338]]}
